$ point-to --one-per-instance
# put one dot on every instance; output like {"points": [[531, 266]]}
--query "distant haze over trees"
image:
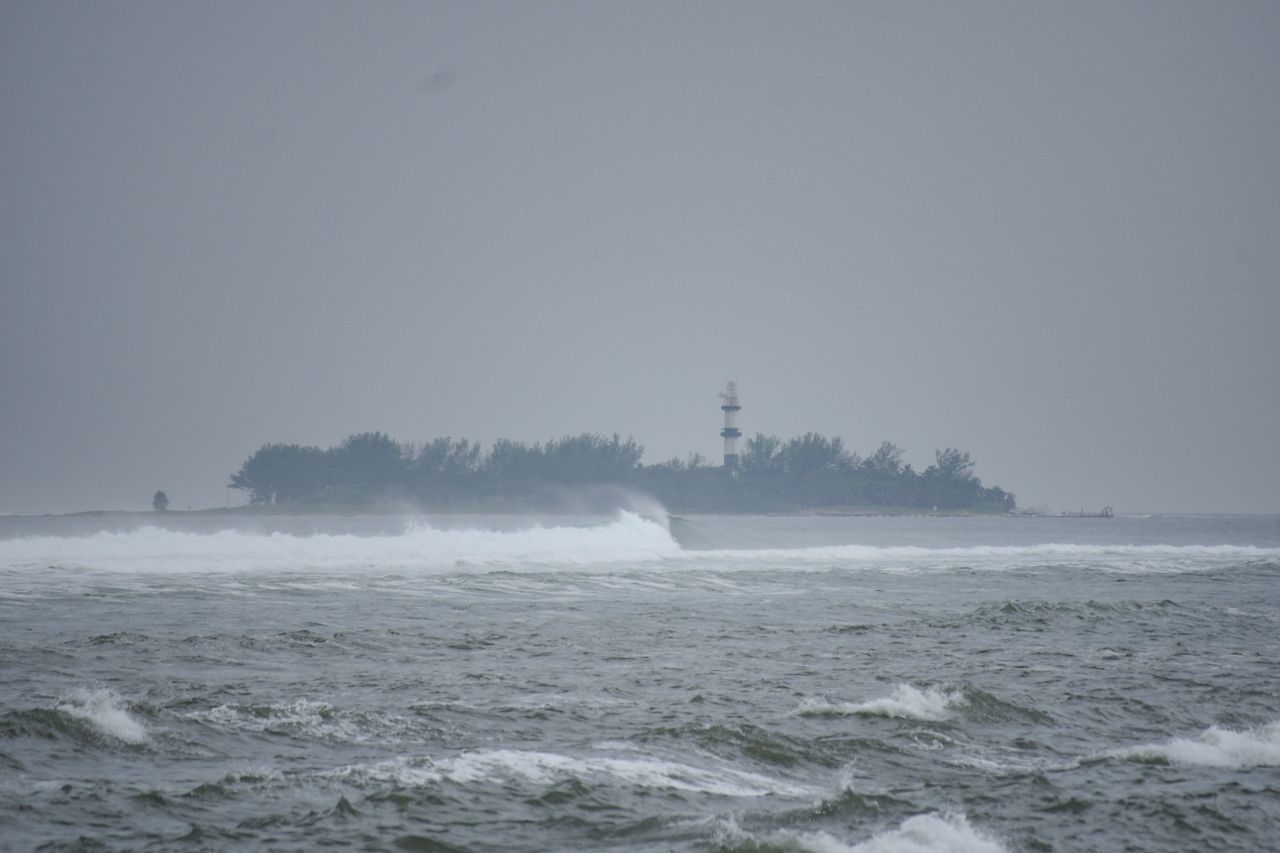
{"points": [[807, 472]]}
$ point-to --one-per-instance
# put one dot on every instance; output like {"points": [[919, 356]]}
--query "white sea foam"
{"points": [[629, 538], [907, 702], [1125, 559], [927, 833], [1215, 747], [106, 712], [547, 768], [405, 771], [306, 718]]}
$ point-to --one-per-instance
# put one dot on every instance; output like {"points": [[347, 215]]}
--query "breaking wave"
{"points": [[1215, 747], [546, 768], [105, 712], [1138, 559], [628, 539], [932, 704], [926, 833], [306, 720]]}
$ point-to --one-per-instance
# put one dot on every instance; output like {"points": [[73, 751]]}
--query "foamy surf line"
{"points": [[1119, 558], [628, 540]]}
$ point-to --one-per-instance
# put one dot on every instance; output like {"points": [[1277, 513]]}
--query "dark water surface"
{"points": [[823, 684]]}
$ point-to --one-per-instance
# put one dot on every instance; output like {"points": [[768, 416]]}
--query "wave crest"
{"points": [[546, 768], [627, 538], [926, 833], [107, 713], [933, 704], [1214, 747]]}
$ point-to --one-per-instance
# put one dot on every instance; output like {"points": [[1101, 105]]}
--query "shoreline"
{"points": [[247, 511]]}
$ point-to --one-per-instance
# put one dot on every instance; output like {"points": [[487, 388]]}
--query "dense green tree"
{"points": [[513, 465], [591, 458], [282, 473], [949, 482], [762, 455], [886, 461], [952, 464], [584, 458], [160, 502], [444, 470], [812, 454], [369, 462], [997, 499]]}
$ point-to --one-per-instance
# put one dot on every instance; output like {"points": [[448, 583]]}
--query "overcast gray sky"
{"points": [[1045, 233]]}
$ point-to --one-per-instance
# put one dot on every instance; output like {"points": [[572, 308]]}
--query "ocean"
{"points": [[638, 682]]}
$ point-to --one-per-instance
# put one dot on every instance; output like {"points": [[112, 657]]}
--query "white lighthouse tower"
{"points": [[730, 433]]}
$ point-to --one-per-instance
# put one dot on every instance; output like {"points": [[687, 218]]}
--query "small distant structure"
{"points": [[1107, 512], [730, 433]]}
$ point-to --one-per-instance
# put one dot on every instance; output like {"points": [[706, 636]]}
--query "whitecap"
{"points": [[643, 772], [628, 538], [106, 712], [1214, 747], [305, 718], [405, 771], [932, 704], [547, 768], [926, 833]]}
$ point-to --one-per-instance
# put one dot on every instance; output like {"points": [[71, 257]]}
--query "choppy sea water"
{"points": [[709, 683]]}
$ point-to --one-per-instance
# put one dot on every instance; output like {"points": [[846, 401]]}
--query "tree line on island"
{"points": [[772, 475]]}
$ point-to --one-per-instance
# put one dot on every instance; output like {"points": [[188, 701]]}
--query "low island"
{"points": [[809, 473]]}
